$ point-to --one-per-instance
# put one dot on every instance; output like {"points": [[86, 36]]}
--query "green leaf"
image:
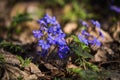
{"points": [[82, 53], [2, 59], [27, 61], [19, 18], [85, 74], [76, 70], [76, 38], [92, 66], [23, 62]]}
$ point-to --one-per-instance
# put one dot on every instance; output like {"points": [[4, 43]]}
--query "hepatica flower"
{"points": [[84, 36], [50, 33], [95, 41], [83, 39], [98, 26], [37, 34], [83, 23], [43, 44], [115, 8], [96, 23], [84, 32], [62, 51]]}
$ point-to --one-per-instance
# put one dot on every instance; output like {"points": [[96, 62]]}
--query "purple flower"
{"points": [[43, 44], [115, 8], [37, 33], [84, 23], [54, 29], [51, 39], [96, 23], [85, 36], [60, 41], [82, 39], [86, 41], [62, 51], [42, 22], [84, 32], [95, 41], [53, 35], [101, 34], [43, 53], [50, 20], [47, 18]]}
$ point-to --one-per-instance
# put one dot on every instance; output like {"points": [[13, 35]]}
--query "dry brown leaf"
{"points": [[11, 72], [107, 37], [33, 69], [21, 7], [70, 65], [11, 68], [9, 58], [102, 54], [25, 37], [49, 66], [69, 27], [116, 34]]}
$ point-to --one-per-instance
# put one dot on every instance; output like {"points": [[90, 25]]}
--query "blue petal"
{"points": [[60, 41], [85, 33], [42, 22], [96, 23], [82, 39], [43, 44], [95, 41], [62, 51], [37, 33], [84, 23], [51, 39], [101, 35], [115, 8]]}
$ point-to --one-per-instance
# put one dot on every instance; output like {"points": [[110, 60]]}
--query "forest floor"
{"points": [[18, 51]]}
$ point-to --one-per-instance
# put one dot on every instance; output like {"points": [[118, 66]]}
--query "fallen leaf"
{"points": [[69, 27], [103, 54]]}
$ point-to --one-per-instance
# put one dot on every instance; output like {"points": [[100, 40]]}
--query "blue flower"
{"points": [[85, 36], [43, 53], [115, 8], [82, 39], [42, 22], [43, 44], [53, 30], [84, 32], [50, 20], [84, 23], [62, 51], [101, 34], [96, 23], [95, 41], [47, 18], [53, 35], [51, 39], [37, 33], [60, 41]]}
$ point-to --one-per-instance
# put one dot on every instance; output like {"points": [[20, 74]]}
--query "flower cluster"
{"points": [[85, 36], [49, 34]]}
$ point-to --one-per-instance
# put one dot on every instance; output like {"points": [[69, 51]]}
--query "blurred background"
{"points": [[19, 17]]}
